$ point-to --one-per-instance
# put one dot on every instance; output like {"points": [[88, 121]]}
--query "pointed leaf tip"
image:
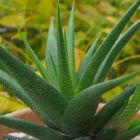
{"points": [[70, 46], [64, 75], [104, 48], [34, 57]]}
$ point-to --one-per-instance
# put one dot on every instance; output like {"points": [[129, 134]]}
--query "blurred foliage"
{"points": [[91, 19], [9, 104]]}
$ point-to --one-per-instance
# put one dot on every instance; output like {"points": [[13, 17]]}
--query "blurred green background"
{"points": [[92, 18]]}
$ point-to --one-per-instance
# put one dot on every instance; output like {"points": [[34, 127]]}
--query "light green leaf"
{"points": [[134, 124]]}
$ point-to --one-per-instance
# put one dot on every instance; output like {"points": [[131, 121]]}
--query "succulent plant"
{"points": [[67, 101]]}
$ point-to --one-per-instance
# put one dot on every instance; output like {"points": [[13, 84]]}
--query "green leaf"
{"points": [[51, 55], [110, 123], [104, 49], [19, 92], [131, 109], [128, 134], [87, 58], [110, 108], [4, 68], [107, 63], [108, 131], [34, 57], [70, 44], [108, 134], [79, 114], [64, 77], [134, 124], [38, 131], [65, 40], [48, 99], [83, 138]]}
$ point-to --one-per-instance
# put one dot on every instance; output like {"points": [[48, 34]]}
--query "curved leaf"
{"points": [[70, 44], [38, 131], [87, 58], [48, 99], [19, 92], [35, 58], [110, 108], [134, 124], [4, 68], [78, 117], [104, 49], [51, 55], [107, 63], [131, 109], [128, 134], [64, 77], [108, 131]]}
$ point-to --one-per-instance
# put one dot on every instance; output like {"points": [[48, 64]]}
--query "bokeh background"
{"points": [[92, 18]]}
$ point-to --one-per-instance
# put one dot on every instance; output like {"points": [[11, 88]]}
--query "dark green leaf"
{"points": [[79, 114], [4, 68], [131, 109], [108, 134], [110, 108], [128, 134], [38, 131], [108, 131], [19, 92], [9, 137], [83, 138], [49, 100]]}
